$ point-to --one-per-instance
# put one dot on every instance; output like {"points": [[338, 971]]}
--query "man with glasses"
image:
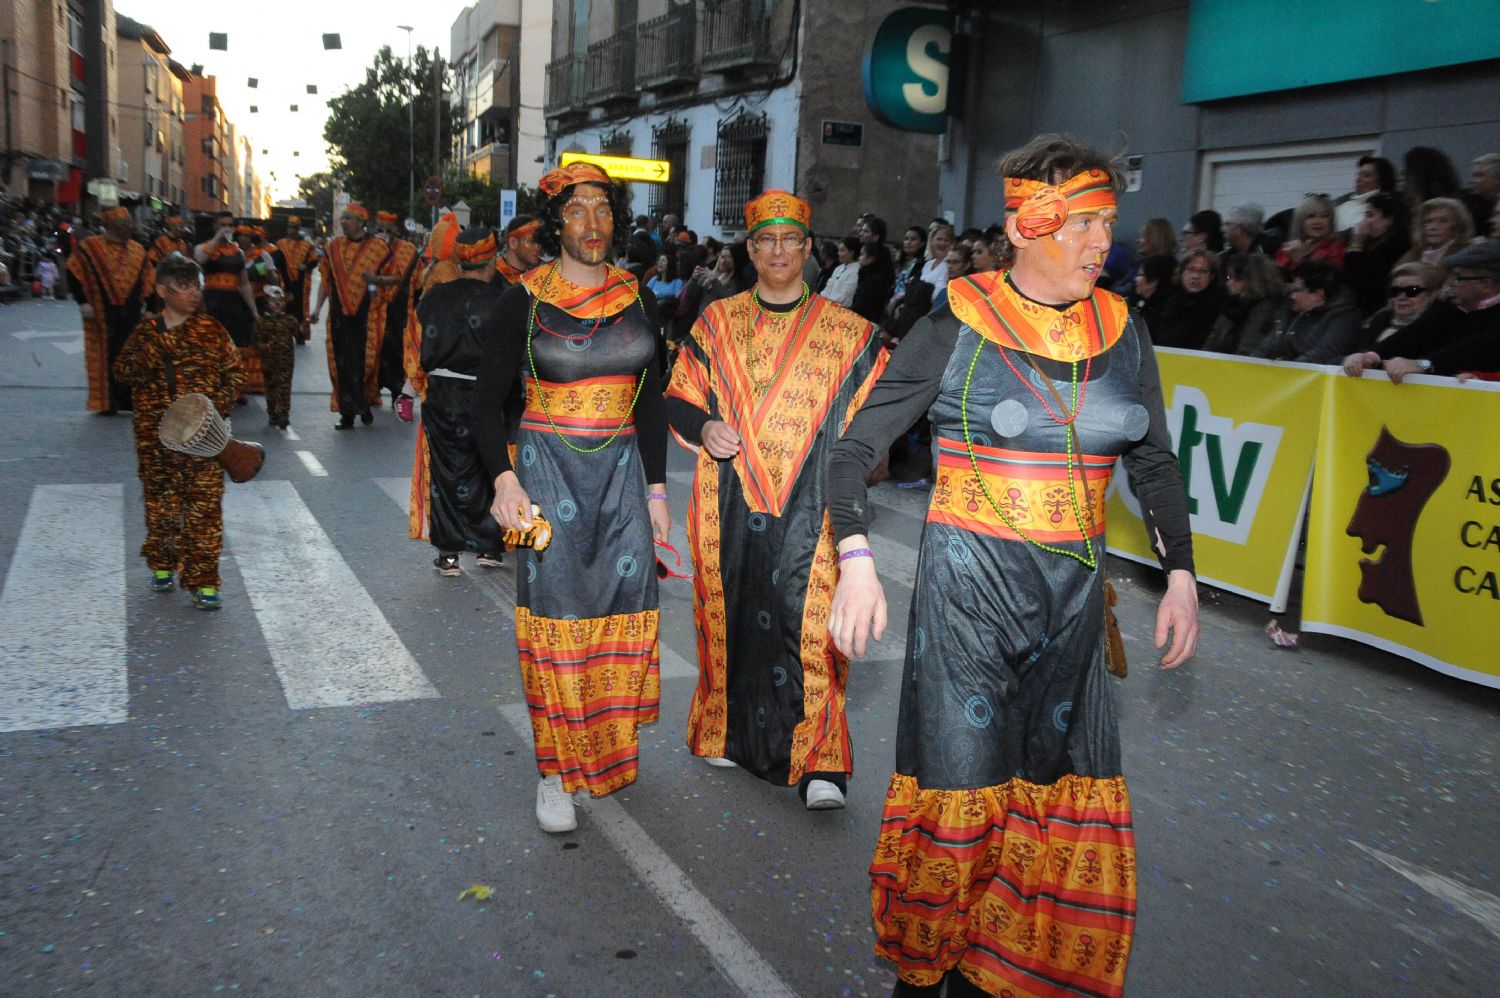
{"points": [[347, 271], [762, 389], [1450, 338], [1324, 322]]}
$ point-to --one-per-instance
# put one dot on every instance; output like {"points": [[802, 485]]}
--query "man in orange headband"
{"points": [[110, 281], [761, 390], [346, 272], [521, 250], [1036, 382], [296, 257], [394, 283], [591, 455]]}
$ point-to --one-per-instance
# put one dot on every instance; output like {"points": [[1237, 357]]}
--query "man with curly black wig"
{"points": [[581, 336]]}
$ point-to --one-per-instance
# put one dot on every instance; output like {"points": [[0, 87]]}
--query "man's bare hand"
{"points": [[1178, 614], [858, 614], [720, 439], [512, 506]]}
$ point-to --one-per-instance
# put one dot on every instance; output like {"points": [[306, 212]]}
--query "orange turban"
{"points": [[1041, 209], [778, 208], [293, 221], [387, 217], [444, 234], [114, 214], [475, 247], [564, 177], [358, 210]]}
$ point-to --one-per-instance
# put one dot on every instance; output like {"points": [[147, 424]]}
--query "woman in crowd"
{"points": [[1427, 173], [1153, 276], [876, 278], [909, 266], [708, 286], [1194, 304], [1322, 323], [828, 257], [1376, 245], [1313, 237], [845, 277], [939, 241], [1156, 238], [1443, 228], [1257, 294], [1412, 287]]}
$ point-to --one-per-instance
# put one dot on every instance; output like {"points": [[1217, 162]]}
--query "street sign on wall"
{"points": [[906, 70], [649, 171]]}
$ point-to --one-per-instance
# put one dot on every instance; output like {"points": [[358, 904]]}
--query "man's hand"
{"points": [[1399, 367], [512, 506], [858, 612], [661, 513], [1178, 613], [86, 311], [1358, 363], [720, 439]]}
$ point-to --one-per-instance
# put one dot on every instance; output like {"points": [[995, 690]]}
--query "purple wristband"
{"points": [[856, 553], [657, 495]]}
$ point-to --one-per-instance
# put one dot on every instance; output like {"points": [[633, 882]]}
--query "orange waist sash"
{"points": [[221, 282], [1031, 489], [592, 407]]}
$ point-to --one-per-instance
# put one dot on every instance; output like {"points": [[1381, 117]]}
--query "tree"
{"points": [[366, 131], [317, 191]]}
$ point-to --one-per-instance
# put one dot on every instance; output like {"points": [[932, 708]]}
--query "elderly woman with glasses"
{"points": [[1443, 227], [1193, 304], [1313, 236]]}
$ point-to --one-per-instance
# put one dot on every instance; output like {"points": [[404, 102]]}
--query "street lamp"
{"points": [[411, 128]]}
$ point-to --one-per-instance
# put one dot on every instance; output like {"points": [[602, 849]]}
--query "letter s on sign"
{"points": [[931, 70]]}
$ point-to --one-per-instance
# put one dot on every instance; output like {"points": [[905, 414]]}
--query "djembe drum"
{"points": [[191, 425]]}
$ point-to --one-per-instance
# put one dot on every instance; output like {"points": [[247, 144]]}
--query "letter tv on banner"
{"points": [[1245, 431], [1403, 545]]}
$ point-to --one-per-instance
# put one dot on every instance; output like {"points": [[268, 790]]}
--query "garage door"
{"points": [[1279, 177]]}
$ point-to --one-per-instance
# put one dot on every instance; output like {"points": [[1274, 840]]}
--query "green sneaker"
{"points": [[207, 598], [161, 581]]}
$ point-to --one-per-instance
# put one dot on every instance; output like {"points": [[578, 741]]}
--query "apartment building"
{"points": [[209, 150], [60, 124], [498, 50], [150, 111], [737, 96]]}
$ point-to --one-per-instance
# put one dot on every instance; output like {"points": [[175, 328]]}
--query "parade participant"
{"points": [[275, 337], [109, 279], [297, 258], [1006, 856], [261, 271], [762, 389], [227, 295], [173, 238], [388, 309], [458, 317], [592, 455], [442, 242], [521, 251], [182, 350], [346, 271]]}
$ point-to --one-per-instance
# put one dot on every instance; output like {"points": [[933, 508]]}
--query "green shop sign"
{"points": [[906, 70]]}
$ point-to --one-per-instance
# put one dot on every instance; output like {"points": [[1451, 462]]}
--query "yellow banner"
{"points": [[650, 171], [1245, 432], [1404, 533]]}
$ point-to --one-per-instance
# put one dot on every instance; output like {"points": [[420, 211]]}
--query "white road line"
{"points": [[72, 347], [329, 642], [500, 584], [45, 334], [62, 612], [731, 952], [312, 464], [290, 434], [1483, 907]]}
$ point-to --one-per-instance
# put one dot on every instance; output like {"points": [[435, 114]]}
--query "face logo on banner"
{"points": [[1403, 477]]}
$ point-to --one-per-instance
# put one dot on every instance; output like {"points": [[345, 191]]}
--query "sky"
{"points": [[280, 42]]}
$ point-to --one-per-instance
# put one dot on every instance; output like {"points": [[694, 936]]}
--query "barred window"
{"points": [[617, 143], [669, 141], [740, 168]]}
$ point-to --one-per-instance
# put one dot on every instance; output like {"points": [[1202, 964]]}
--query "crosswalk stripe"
{"points": [[62, 617], [501, 584], [312, 464], [45, 334], [329, 642]]}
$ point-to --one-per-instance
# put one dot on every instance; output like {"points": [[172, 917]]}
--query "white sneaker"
{"points": [[719, 761], [824, 796], [554, 808]]}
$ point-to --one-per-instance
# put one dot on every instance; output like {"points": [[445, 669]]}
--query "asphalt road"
{"points": [[291, 796]]}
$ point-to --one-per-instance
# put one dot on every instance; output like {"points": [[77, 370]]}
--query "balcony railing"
{"points": [[666, 48], [737, 34], [611, 72], [565, 85]]}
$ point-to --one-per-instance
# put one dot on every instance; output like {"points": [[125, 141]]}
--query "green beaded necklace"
{"points": [[786, 352], [541, 396], [1090, 560]]}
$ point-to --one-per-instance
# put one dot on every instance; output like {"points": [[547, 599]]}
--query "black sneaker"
{"points": [[489, 559], [344, 423], [447, 564]]}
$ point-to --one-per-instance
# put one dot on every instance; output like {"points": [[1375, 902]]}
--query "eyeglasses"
{"points": [[1200, 271], [788, 241], [1472, 278], [673, 571], [1407, 291]]}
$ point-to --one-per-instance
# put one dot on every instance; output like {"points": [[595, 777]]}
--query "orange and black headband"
{"points": [[522, 231], [563, 177], [114, 214], [1041, 209], [358, 210], [472, 255]]}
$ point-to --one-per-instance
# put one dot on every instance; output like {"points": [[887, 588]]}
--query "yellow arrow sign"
{"points": [[650, 171]]}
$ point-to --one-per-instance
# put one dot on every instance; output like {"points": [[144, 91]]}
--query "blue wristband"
{"points": [[856, 553]]}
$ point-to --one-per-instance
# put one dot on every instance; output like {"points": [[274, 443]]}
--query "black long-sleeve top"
{"points": [[911, 383], [504, 361], [1454, 340]]}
